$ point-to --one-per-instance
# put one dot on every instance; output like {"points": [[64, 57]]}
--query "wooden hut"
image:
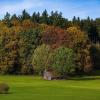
{"points": [[48, 75]]}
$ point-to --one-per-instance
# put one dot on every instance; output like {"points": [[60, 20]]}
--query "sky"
{"points": [[69, 8]]}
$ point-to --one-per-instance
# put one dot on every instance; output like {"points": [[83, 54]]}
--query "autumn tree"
{"points": [[9, 52], [54, 36], [81, 45]]}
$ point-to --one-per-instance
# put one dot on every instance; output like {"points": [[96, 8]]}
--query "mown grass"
{"points": [[35, 88]]}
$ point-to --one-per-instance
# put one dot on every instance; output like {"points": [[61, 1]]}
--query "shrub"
{"points": [[4, 88]]}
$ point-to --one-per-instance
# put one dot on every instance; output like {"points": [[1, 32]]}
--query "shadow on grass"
{"points": [[84, 78], [6, 93]]}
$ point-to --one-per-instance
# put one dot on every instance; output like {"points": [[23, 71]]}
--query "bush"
{"points": [[4, 88]]}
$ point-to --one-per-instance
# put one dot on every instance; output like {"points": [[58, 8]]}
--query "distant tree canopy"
{"points": [[29, 42], [90, 26]]}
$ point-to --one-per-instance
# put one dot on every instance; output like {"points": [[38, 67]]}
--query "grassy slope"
{"points": [[34, 88]]}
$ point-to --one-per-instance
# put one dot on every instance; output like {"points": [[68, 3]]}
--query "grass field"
{"points": [[35, 88]]}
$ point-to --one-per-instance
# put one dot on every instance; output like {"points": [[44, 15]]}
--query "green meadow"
{"points": [[35, 88]]}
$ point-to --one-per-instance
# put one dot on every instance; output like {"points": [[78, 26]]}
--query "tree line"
{"points": [[90, 26], [30, 44]]}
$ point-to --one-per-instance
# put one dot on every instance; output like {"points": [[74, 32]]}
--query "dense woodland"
{"points": [[30, 44]]}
